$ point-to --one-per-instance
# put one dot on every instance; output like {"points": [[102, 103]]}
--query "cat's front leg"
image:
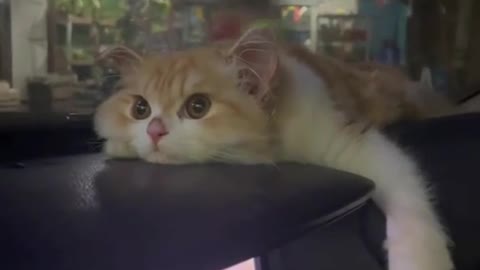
{"points": [[162, 158], [415, 237], [119, 149], [416, 241]]}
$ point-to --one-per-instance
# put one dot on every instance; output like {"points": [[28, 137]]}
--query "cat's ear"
{"points": [[255, 57], [122, 58]]}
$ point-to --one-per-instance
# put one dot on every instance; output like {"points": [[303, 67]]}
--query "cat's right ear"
{"points": [[255, 58], [122, 58]]}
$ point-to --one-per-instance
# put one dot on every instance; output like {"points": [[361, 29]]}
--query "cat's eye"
{"points": [[140, 109], [197, 106]]}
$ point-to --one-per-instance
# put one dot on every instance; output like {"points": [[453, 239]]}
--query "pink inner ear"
{"points": [[257, 68], [264, 62], [121, 55], [256, 58], [248, 82], [250, 56]]}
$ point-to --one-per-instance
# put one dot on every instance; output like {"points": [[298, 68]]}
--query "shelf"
{"points": [[297, 2], [299, 28], [200, 2], [341, 43], [82, 63], [64, 19], [343, 16]]}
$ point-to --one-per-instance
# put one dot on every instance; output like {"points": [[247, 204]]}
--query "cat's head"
{"points": [[198, 105]]}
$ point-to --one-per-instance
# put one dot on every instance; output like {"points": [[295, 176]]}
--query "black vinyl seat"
{"points": [[84, 212]]}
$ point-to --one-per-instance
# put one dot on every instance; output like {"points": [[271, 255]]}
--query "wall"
{"points": [[29, 40]]}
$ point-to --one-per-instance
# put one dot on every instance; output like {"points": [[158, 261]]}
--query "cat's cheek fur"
{"points": [[140, 140], [111, 120]]}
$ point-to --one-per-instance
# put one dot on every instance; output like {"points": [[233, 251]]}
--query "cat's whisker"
{"points": [[228, 157], [238, 153]]}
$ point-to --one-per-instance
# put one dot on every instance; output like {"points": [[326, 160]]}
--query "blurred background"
{"points": [[48, 48]]}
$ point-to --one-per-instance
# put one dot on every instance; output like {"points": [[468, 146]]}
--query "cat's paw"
{"points": [[119, 149], [157, 157], [442, 263], [421, 257]]}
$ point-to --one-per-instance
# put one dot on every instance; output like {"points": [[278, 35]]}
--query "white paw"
{"points": [[119, 149], [418, 254], [156, 157]]}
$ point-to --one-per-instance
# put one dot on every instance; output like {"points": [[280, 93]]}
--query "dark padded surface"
{"points": [[87, 213], [448, 150]]}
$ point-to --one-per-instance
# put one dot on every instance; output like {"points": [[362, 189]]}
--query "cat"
{"points": [[258, 101]]}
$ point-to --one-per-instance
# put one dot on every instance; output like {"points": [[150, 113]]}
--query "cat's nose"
{"points": [[156, 130]]}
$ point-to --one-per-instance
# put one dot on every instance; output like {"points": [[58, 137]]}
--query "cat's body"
{"points": [[373, 94], [415, 239], [254, 102]]}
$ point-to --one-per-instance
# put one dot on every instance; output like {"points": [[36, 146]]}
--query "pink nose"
{"points": [[156, 130]]}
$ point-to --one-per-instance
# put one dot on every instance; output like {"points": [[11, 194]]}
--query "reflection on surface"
{"points": [[247, 265]]}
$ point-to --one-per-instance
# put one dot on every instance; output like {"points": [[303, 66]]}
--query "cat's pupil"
{"points": [[197, 106], [141, 109]]}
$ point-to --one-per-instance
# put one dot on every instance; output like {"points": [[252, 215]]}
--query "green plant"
{"points": [[79, 7]]}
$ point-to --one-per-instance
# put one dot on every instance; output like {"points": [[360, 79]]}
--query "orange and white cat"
{"points": [[254, 101]]}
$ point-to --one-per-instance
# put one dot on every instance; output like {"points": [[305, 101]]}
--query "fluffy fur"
{"points": [[372, 94], [270, 104]]}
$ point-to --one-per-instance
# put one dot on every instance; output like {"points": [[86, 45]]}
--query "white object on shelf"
{"points": [[8, 96], [426, 78], [4, 86], [29, 58], [297, 2]]}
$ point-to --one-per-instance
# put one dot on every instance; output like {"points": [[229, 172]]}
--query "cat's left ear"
{"points": [[122, 57], [255, 57]]}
